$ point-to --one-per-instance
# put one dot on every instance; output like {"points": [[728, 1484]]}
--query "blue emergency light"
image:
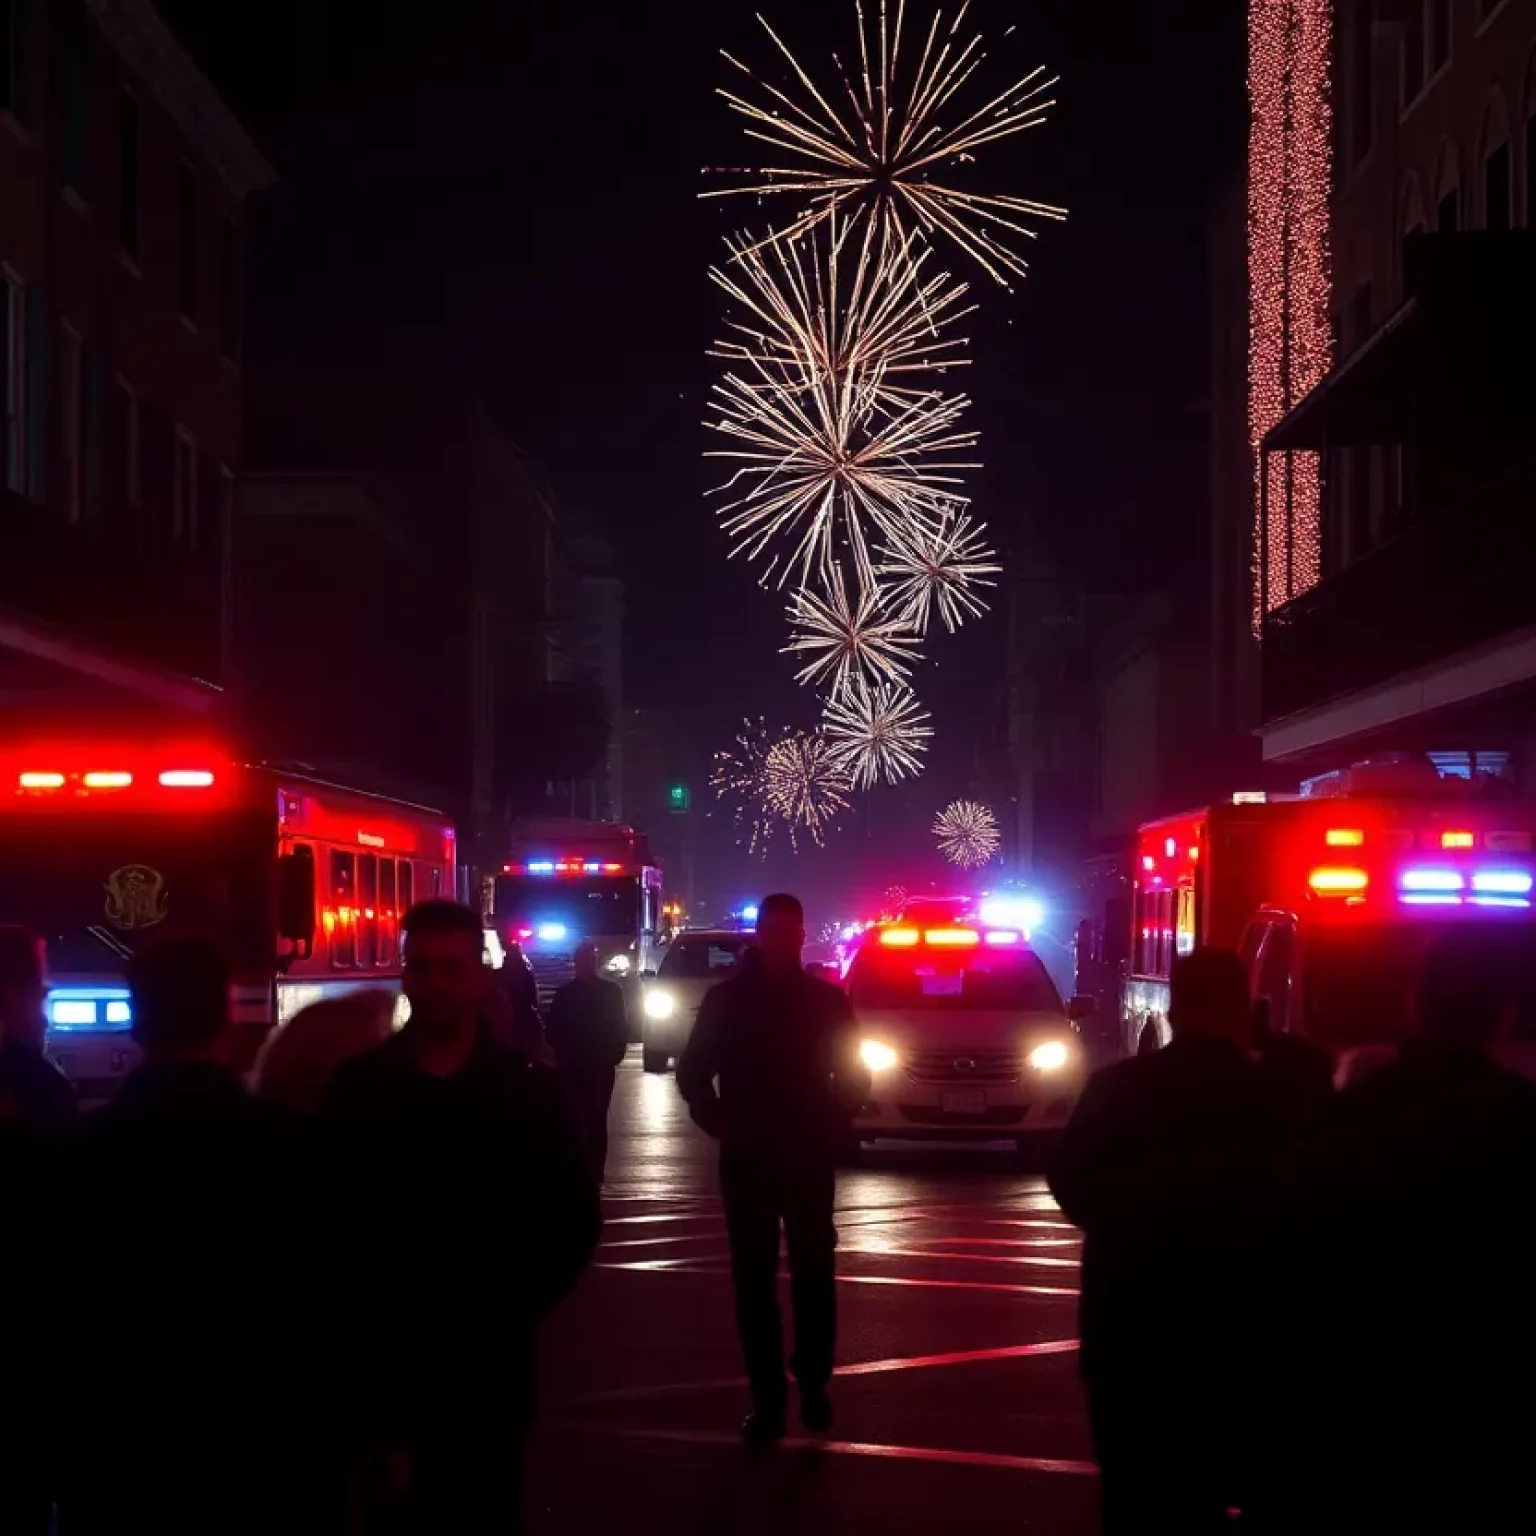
{"points": [[88, 1008]]}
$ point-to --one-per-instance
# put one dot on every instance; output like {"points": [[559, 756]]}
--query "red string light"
{"points": [[1290, 345]]}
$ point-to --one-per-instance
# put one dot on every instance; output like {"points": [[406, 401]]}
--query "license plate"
{"points": [[966, 1101]]}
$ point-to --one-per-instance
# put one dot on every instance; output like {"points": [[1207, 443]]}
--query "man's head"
{"points": [[1467, 988], [586, 960], [1208, 997], [180, 988], [22, 987], [780, 931], [443, 976]]}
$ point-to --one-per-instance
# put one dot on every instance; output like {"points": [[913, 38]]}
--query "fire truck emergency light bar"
{"points": [[564, 867]]}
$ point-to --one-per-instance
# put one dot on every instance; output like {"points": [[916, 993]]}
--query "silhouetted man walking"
{"points": [[1164, 1165], [588, 1031], [773, 1071]]}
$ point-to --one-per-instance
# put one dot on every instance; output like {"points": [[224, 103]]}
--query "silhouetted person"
{"points": [[200, 1223], [33, 1092], [773, 1071], [1165, 1166], [476, 1211], [37, 1107], [588, 1031], [1421, 1187], [510, 1006]]}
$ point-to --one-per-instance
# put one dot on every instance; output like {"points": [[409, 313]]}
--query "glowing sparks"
{"points": [[803, 784], [1290, 49], [847, 639], [968, 834], [940, 568], [827, 437], [890, 153], [739, 779], [877, 733]]}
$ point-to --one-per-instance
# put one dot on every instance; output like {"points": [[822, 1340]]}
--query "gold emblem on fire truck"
{"points": [[136, 897]]}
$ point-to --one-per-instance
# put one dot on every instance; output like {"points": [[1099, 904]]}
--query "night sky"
{"points": [[516, 187]]}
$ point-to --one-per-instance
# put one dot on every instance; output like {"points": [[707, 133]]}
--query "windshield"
{"points": [[1357, 984], [594, 908], [96, 887], [700, 959], [929, 982]]}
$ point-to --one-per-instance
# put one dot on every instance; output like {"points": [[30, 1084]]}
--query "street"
{"points": [[957, 1394]]}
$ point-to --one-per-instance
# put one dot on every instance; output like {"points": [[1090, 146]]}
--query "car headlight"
{"points": [[1051, 1056], [618, 964], [877, 1055], [660, 1005]]}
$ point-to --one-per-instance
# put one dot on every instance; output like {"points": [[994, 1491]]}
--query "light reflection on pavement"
{"points": [[957, 1399]]}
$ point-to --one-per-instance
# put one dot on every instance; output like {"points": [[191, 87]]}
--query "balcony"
{"points": [[1443, 384], [156, 609], [1445, 583]]}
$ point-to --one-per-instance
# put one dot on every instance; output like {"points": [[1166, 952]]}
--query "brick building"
{"points": [[1419, 633], [123, 180]]}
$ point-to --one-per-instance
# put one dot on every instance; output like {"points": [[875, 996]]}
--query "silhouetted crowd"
{"points": [[1307, 1303], [308, 1308], [312, 1304]]}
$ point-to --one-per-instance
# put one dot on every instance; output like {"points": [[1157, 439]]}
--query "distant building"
{"points": [[1420, 631], [123, 180]]}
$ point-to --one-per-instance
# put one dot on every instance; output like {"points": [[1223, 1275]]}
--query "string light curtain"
{"points": [[1290, 345]]}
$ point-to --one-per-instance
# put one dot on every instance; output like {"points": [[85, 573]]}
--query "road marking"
{"points": [[859, 1368], [636, 1221], [658, 1242], [1043, 1260], [1002, 1242], [925, 1453]]}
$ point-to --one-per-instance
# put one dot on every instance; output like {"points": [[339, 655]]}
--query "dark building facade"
{"points": [[1421, 633], [123, 181]]}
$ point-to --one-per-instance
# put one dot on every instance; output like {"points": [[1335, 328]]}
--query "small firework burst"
{"points": [[968, 834], [938, 567], [803, 785], [738, 778], [877, 732], [848, 638]]}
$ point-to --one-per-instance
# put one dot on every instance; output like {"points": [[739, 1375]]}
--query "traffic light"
{"points": [[678, 798]]}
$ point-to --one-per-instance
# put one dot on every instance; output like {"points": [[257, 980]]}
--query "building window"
{"points": [[184, 491], [1363, 85], [15, 56], [187, 281], [229, 290], [126, 431], [1439, 35], [74, 67], [1413, 52], [1496, 189], [72, 426], [128, 176], [1448, 213], [15, 446]]}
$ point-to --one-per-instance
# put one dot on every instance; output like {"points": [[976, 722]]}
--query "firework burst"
{"points": [[847, 639], [888, 154], [877, 732], [803, 785], [968, 834], [739, 779], [826, 438], [938, 568]]}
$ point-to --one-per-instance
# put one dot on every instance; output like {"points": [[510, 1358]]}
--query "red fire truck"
{"points": [[1330, 897], [104, 844]]}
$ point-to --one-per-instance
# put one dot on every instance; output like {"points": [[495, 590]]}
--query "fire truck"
{"points": [[106, 844], [1330, 897], [568, 881]]}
